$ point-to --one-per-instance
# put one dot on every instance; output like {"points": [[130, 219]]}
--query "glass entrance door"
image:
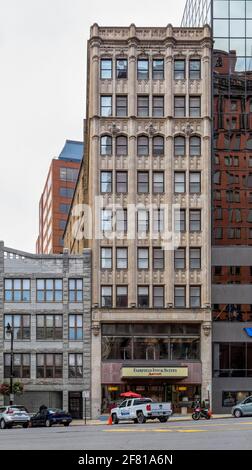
{"points": [[75, 405]]}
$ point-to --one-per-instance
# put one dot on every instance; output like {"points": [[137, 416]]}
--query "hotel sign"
{"points": [[155, 372]]}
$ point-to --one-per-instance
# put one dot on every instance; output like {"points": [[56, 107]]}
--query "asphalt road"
{"points": [[216, 434]]}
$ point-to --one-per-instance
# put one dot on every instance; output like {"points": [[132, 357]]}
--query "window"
{"points": [[179, 106], [64, 208], [195, 182], [75, 289], [194, 106], [143, 296], [143, 258], [17, 290], [122, 296], [179, 220], [121, 68], [180, 258], [158, 182], [195, 69], [142, 182], [106, 258], [49, 327], [122, 182], [49, 290], [158, 106], [106, 296], [69, 174], [179, 182], [106, 145], [121, 106], [179, 69], [121, 145], [195, 295], [106, 181], [179, 146], [49, 366], [195, 221], [75, 366], [106, 69], [143, 105], [106, 106], [142, 221], [195, 258], [106, 220], [75, 327], [66, 192], [20, 325], [142, 146], [195, 146], [121, 258], [143, 69], [158, 69], [158, 296], [179, 296], [158, 145], [158, 258], [21, 366], [62, 224], [121, 220], [158, 221]]}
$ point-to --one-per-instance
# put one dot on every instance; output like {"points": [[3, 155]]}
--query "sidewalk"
{"points": [[175, 418]]}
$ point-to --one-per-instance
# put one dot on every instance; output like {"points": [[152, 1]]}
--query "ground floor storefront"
{"points": [[71, 401], [228, 391], [181, 396]]}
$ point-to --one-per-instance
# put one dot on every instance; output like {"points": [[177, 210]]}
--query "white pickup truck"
{"points": [[141, 409]]}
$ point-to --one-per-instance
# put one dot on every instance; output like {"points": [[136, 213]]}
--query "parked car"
{"points": [[50, 416], [141, 409], [244, 408], [14, 415]]}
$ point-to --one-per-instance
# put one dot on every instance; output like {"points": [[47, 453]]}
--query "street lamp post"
{"points": [[9, 330]]}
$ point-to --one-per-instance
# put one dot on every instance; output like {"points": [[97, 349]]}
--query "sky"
{"points": [[42, 92]]}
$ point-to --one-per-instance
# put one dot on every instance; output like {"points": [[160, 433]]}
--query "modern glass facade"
{"points": [[231, 22]]}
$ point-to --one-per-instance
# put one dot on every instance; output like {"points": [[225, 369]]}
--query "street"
{"points": [[217, 434]]}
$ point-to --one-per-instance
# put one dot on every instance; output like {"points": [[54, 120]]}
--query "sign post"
{"points": [[85, 395]]}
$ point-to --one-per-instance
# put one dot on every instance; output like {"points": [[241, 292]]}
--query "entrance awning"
{"points": [[154, 372]]}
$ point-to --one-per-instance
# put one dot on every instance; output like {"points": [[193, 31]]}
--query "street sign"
{"points": [[85, 394]]}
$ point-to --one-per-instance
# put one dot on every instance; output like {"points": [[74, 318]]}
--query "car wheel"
{"points": [[25, 425], [163, 419], [114, 419], [237, 413], [66, 424], [140, 417], [48, 423], [3, 424]]}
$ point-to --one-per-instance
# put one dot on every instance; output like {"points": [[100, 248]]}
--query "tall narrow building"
{"points": [[146, 172]]}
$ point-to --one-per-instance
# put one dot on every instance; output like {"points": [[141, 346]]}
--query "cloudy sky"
{"points": [[42, 92]]}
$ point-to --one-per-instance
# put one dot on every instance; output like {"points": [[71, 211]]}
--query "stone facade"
{"points": [[131, 44], [19, 265]]}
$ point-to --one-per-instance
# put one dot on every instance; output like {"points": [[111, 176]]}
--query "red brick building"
{"points": [[56, 198]]}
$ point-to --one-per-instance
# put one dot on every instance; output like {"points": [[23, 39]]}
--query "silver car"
{"points": [[14, 415], [244, 408]]}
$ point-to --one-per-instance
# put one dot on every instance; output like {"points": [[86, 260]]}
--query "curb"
{"points": [[171, 420]]}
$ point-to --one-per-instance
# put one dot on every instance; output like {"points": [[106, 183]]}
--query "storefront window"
{"points": [[116, 348], [232, 398], [184, 349]]}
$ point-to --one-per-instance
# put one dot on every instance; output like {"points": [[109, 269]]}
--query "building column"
{"points": [[206, 361], [96, 371]]}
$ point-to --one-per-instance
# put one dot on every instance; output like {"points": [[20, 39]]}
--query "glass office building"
{"points": [[231, 22]]}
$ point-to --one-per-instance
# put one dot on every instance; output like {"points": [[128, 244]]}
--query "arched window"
{"points": [[142, 145], [106, 145], [179, 146], [121, 145], [158, 145], [195, 146], [249, 143]]}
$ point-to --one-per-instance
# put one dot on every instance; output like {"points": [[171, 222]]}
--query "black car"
{"points": [[50, 416]]}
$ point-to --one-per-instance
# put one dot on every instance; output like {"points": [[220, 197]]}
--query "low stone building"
{"points": [[46, 299]]}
